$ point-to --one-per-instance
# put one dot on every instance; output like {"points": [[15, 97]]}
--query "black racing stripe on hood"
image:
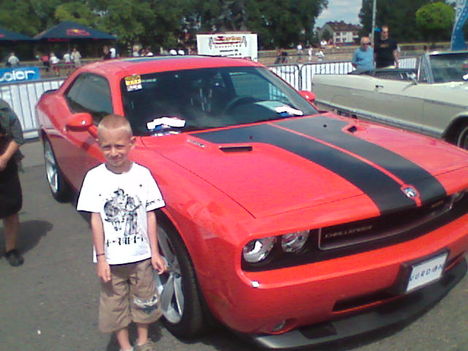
{"points": [[383, 190], [331, 131]]}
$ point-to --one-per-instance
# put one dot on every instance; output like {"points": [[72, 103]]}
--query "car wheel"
{"points": [[57, 184], [180, 297], [462, 137]]}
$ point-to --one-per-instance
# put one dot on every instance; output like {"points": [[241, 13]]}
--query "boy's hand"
{"points": [[159, 263], [103, 270]]}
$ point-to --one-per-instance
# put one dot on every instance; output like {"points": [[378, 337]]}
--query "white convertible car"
{"points": [[431, 98]]}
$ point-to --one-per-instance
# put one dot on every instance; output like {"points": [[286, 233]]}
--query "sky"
{"points": [[340, 10]]}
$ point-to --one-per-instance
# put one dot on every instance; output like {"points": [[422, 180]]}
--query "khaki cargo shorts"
{"points": [[130, 296]]}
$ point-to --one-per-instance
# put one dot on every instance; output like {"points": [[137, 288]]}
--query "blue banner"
{"points": [[19, 74], [458, 38]]}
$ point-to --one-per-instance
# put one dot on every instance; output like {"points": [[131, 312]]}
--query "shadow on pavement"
{"points": [[30, 234]]}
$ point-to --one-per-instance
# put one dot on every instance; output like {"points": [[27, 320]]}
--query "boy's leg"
{"points": [[144, 343], [114, 309], [123, 339], [145, 307], [142, 330]]}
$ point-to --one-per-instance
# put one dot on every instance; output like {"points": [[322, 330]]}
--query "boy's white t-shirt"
{"points": [[122, 200]]}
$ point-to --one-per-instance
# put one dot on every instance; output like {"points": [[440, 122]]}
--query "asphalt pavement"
{"points": [[50, 303]]}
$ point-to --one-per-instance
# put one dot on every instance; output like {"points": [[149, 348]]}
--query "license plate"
{"points": [[426, 272]]}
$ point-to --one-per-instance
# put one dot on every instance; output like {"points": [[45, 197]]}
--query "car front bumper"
{"points": [[341, 297], [402, 310]]}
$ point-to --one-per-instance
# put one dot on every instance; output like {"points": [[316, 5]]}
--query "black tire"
{"points": [[461, 139], [180, 297], [58, 186]]}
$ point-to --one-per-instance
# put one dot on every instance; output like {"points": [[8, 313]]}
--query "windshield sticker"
{"points": [[288, 110], [165, 125], [133, 83], [280, 108]]}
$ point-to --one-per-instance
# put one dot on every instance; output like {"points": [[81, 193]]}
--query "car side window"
{"points": [[90, 93]]}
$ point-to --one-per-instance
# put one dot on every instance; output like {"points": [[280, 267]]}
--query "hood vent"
{"points": [[237, 148]]}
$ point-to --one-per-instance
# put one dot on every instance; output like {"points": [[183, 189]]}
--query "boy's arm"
{"points": [[156, 260], [102, 268]]}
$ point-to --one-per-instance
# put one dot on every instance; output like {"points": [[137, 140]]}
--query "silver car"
{"points": [[430, 97]]}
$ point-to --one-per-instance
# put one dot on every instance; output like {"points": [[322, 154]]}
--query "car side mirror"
{"points": [[308, 95], [81, 122]]}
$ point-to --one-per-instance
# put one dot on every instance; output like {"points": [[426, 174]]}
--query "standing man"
{"points": [[13, 61], [363, 56], [386, 50], [11, 137]]}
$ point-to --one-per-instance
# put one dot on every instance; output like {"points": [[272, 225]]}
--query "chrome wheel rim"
{"points": [[51, 168], [169, 284]]}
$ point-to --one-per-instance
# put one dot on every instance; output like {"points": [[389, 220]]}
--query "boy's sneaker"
{"points": [[148, 346], [14, 258]]}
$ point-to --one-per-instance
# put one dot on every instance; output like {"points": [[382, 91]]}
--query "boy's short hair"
{"points": [[113, 122]]}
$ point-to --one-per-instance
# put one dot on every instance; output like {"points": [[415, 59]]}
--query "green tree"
{"points": [[326, 35], [11, 11], [435, 21], [284, 23], [278, 23], [76, 11], [399, 15]]}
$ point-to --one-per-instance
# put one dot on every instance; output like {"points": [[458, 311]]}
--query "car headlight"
{"points": [[294, 242], [258, 250]]}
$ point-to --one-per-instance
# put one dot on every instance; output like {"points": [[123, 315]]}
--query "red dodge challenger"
{"points": [[288, 225]]}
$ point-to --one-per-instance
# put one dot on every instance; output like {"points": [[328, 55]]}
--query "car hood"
{"points": [[287, 165]]}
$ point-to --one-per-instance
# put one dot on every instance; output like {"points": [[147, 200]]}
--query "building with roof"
{"points": [[340, 33]]}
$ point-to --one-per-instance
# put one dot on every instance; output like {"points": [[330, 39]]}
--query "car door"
{"points": [[89, 93], [395, 98]]}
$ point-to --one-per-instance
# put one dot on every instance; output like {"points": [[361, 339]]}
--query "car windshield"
{"points": [[176, 101], [451, 67]]}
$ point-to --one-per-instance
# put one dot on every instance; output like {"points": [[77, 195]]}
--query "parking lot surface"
{"points": [[50, 303]]}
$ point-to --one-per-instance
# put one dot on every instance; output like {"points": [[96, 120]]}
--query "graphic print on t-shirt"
{"points": [[121, 211]]}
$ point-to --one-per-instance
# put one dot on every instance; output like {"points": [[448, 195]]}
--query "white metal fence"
{"points": [[23, 97]]}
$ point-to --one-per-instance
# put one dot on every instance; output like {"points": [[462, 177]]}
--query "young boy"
{"points": [[122, 196]]}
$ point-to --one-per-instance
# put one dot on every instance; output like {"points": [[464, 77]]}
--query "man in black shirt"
{"points": [[386, 50]]}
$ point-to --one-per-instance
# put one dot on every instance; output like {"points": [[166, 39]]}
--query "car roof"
{"points": [[141, 65]]}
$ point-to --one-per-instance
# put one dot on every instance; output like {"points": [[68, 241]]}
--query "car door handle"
{"points": [[377, 86]]}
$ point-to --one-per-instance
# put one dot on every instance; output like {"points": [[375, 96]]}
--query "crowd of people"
{"points": [[54, 62], [51, 62]]}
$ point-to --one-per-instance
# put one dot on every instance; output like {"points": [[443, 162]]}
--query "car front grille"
{"points": [[381, 227]]}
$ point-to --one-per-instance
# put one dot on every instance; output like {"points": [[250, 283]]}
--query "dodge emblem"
{"points": [[410, 192]]}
